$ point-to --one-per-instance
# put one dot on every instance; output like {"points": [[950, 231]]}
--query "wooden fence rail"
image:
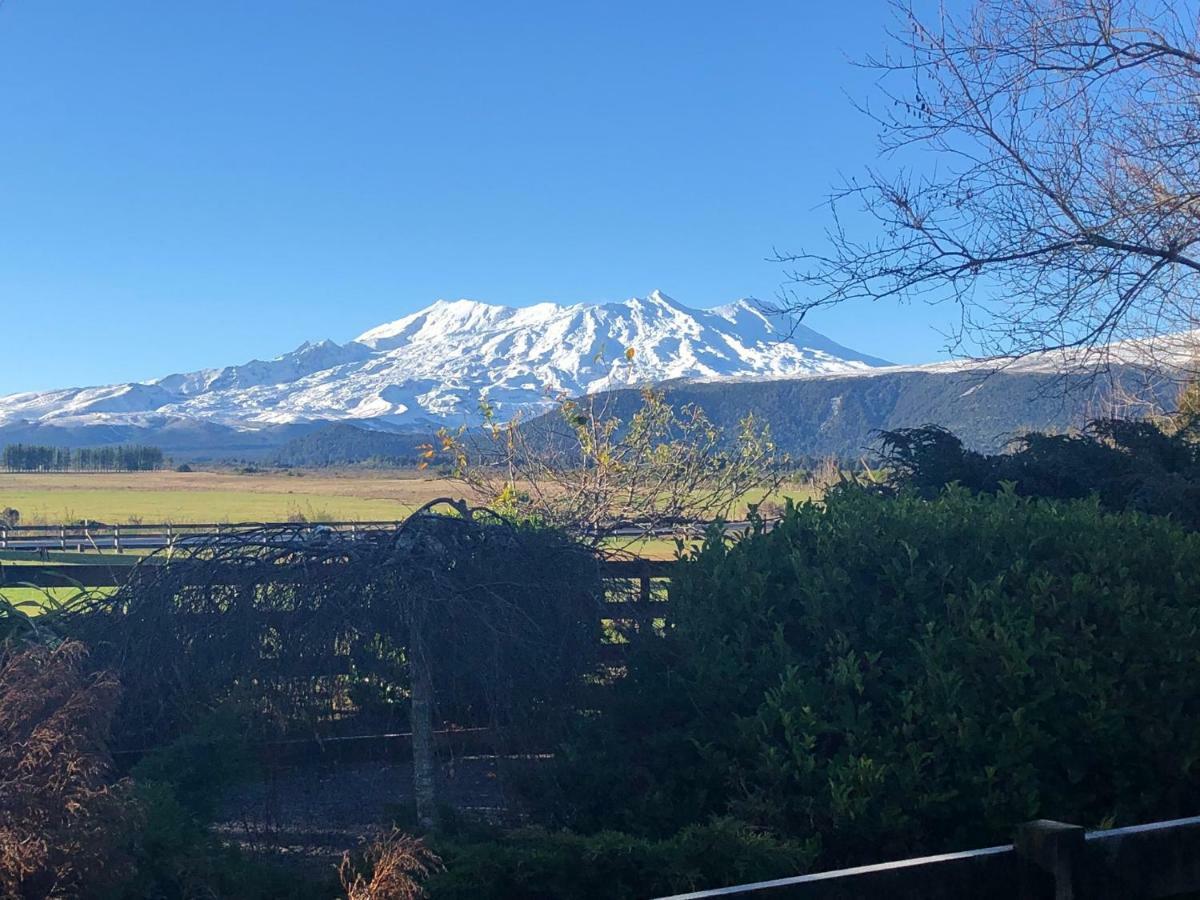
{"points": [[86, 535], [635, 599], [116, 571], [638, 603], [1046, 860]]}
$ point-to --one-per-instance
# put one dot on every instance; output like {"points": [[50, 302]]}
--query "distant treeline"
{"points": [[123, 458]]}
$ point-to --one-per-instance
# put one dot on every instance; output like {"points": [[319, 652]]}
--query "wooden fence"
{"points": [[99, 537], [87, 536], [39, 569], [635, 595], [1047, 859], [635, 599]]}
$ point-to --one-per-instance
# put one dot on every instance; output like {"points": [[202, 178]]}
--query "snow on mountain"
{"points": [[433, 366]]}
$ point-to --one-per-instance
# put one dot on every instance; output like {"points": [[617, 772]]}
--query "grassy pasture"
{"points": [[226, 496], [184, 497]]}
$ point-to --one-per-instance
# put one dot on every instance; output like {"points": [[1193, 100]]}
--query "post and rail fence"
{"points": [[41, 569], [99, 537]]}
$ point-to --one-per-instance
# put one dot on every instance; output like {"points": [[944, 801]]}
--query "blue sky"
{"points": [[191, 185]]}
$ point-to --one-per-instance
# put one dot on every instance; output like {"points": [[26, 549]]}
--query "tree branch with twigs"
{"points": [[1040, 169], [615, 481]]}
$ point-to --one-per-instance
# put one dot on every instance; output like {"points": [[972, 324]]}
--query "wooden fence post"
{"points": [[1050, 858], [421, 703], [645, 616]]}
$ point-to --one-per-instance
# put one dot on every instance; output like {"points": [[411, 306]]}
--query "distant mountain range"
{"points": [[433, 367]]}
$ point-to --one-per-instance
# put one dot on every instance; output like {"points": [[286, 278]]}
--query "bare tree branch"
{"points": [[1040, 169]]}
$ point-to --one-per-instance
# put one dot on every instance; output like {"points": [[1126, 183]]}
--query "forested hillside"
{"points": [[343, 444], [840, 416]]}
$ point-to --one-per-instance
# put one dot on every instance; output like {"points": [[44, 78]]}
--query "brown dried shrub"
{"points": [[62, 820], [397, 863]]}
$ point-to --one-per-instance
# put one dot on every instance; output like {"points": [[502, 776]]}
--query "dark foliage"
{"points": [[893, 675], [308, 628], [124, 458], [1128, 465], [343, 444], [175, 857], [536, 864]]}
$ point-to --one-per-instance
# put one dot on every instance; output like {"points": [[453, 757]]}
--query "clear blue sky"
{"points": [[186, 185]]}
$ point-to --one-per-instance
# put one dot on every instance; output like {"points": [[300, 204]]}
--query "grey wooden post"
{"points": [[1051, 859], [645, 616], [117, 537], [421, 711]]}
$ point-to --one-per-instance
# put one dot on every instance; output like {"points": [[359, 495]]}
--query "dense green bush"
{"points": [[1128, 464], [536, 864], [893, 675]]}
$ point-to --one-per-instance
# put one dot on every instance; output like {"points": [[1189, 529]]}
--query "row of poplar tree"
{"points": [[123, 458]]}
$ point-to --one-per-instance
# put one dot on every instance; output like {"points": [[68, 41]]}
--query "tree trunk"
{"points": [[424, 760]]}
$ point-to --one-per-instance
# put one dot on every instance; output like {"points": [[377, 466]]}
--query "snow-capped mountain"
{"points": [[433, 366]]}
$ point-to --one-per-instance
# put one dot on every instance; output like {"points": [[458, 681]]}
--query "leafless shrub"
{"points": [[61, 820], [397, 863], [614, 478], [827, 473]]}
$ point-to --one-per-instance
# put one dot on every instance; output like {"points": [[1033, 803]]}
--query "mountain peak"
{"points": [[657, 296], [432, 365]]}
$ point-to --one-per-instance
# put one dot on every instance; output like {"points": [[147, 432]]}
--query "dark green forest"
{"points": [[39, 458]]}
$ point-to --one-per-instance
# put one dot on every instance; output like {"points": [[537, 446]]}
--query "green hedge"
{"points": [[536, 864], [894, 675]]}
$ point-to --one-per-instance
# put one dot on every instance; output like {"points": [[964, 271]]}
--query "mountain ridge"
{"points": [[432, 367]]}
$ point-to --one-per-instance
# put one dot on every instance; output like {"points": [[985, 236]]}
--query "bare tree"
{"points": [[1040, 168], [614, 480]]}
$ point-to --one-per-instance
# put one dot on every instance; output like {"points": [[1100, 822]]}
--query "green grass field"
{"points": [[120, 506], [182, 497]]}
